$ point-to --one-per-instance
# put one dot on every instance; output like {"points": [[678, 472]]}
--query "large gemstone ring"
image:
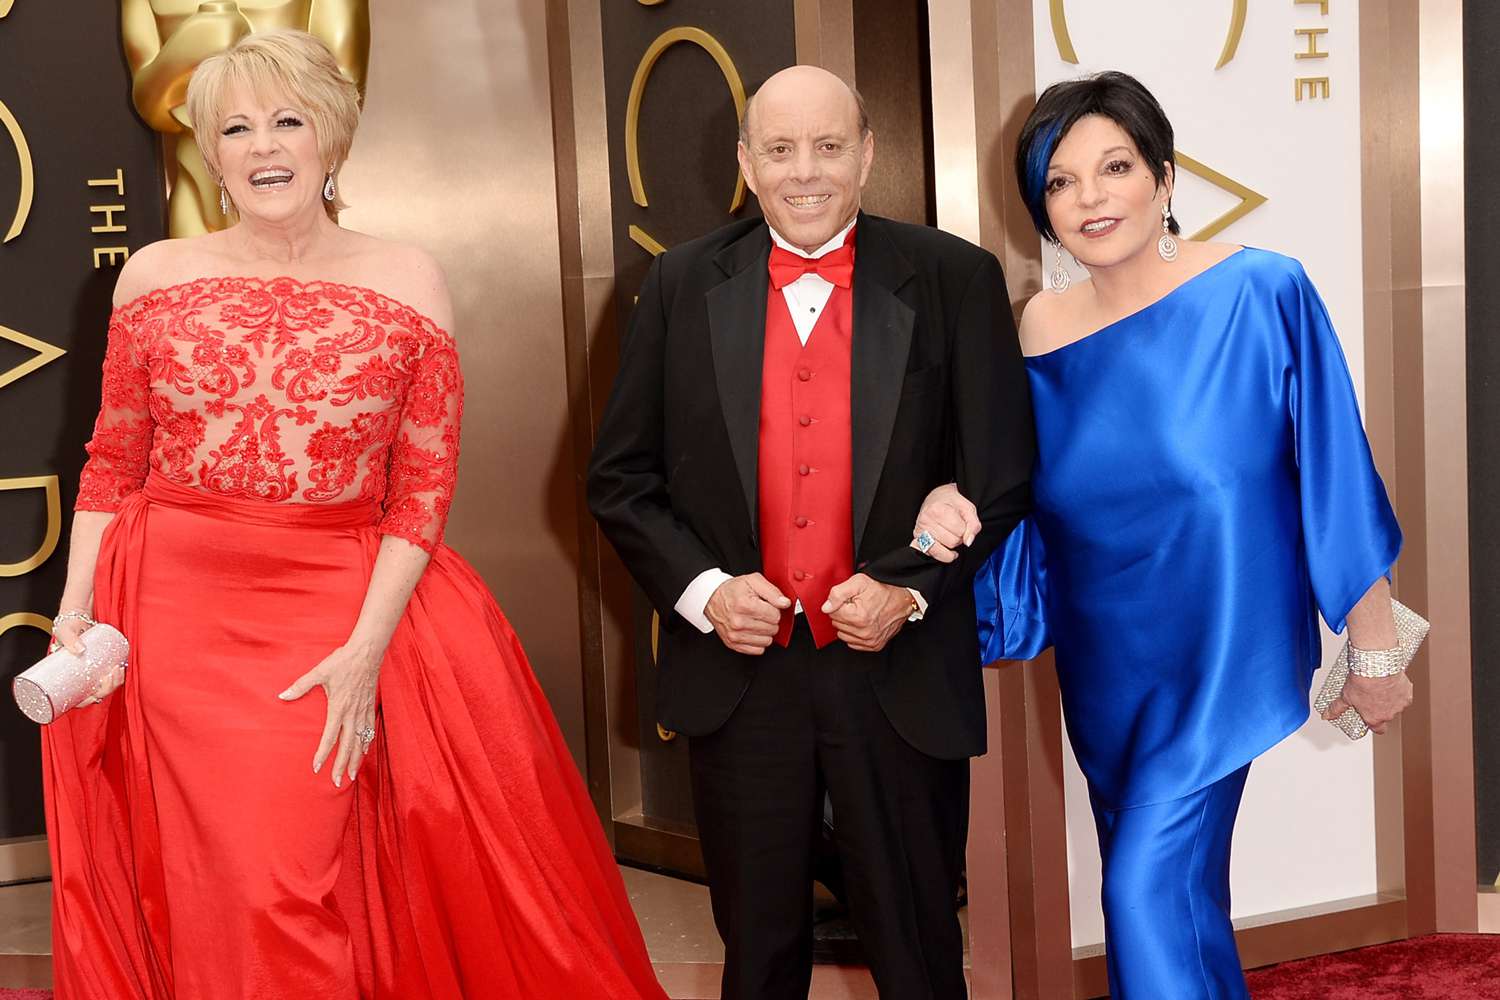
{"points": [[925, 541], [366, 737]]}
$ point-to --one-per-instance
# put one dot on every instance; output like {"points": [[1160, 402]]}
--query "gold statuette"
{"points": [[165, 40]]}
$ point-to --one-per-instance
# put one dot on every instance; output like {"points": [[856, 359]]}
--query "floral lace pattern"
{"points": [[284, 391]]}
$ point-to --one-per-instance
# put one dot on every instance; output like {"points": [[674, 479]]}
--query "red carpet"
{"points": [[1442, 967]]}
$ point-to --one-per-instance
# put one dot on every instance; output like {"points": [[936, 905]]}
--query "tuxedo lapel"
{"points": [[737, 331], [882, 341]]}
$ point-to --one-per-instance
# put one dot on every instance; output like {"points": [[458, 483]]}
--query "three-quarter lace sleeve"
{"points": [[119, 451], [424, 454]]}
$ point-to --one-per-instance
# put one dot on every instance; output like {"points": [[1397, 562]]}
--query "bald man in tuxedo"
{"points": [[789, 392]]}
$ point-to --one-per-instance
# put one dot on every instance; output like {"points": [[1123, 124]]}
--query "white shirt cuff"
{"points": [[921, 611], [694, 599]]}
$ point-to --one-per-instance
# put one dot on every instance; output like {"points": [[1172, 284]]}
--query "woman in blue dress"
{"points": [[1203, 490]]}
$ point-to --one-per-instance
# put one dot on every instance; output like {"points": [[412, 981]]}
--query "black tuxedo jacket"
{"points": [[938, 395]]}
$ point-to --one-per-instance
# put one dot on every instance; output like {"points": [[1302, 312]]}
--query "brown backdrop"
{"points": [[455, 154]]}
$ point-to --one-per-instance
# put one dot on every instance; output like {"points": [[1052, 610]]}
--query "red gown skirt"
{"points": [[195, 856]]}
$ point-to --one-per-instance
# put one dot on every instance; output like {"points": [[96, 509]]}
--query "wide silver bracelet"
{"points": [[1375, 663], [74, 615]]}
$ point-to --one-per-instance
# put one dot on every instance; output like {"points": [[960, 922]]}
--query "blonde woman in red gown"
{"points": [[328, 771]]}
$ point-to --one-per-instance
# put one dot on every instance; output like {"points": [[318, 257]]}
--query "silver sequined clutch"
{"points": [[60, 680], [1411, 629]]}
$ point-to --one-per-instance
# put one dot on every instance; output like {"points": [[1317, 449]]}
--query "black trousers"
{"points": [[810, 721]]}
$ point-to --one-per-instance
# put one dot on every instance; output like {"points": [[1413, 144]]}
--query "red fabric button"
{"points": [[803, 470], [799, 575], [805, 421], [804, 374], [801, 522]]}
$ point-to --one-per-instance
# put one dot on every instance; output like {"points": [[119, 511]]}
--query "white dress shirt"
{"points": [[805, 299]]}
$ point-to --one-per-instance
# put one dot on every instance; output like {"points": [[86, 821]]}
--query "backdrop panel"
{"points": [[1482, 233], [80, 188], [675, 78], [455, 155]]}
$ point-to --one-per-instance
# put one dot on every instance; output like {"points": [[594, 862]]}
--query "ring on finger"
{"points": [[366, 737], [925, 541]]}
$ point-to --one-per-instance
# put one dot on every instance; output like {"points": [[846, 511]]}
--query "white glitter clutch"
{"points": [[1411, 629], [60, 680]]}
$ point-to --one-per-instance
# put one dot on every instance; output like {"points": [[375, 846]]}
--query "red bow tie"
{"points": [[835, 266]]}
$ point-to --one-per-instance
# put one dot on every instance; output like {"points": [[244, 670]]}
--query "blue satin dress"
{"points": [[1203, 490]]}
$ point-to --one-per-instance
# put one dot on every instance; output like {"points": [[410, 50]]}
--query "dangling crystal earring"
{"points": [[328, 192], [1060, 278], [1166, 246], [223, 198]]}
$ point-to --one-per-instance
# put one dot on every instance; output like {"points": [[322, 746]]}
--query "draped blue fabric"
{"points": [[1203, 489], [1167, 928]]}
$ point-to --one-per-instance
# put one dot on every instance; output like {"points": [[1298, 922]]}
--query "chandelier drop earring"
{"points": [[223, 198], [328, 190], [1166, 246], [1060, 278]]}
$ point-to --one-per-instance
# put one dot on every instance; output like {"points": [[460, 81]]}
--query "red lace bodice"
{"points": [[280, 390]]}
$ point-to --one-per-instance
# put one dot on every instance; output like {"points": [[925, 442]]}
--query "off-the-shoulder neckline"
{"points": [[303, 283]]}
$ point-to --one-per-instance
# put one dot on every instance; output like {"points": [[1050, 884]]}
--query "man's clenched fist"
{"points": [[867, 613], [746, 612]]}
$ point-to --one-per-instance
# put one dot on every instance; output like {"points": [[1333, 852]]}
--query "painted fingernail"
{"points": [[285, 695], [338, 781]]}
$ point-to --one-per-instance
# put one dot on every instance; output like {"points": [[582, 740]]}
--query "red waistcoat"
{"points": [[806, 459]]}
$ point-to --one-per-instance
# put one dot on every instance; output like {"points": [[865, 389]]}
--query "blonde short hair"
{"points": [[288, 63]]}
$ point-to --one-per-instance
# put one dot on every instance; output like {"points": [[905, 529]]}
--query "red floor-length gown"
{"points": [[256, 440]]}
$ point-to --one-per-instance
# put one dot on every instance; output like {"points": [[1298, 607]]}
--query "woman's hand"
{"points": [[1372, 625], [348, 676], [1378, 700], [949, 519], [68, 634]]}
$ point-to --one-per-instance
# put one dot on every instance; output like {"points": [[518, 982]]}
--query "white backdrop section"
{"points": [[1306, 830]]}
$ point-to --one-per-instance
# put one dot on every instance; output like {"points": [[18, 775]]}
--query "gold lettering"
{"points": [[28, 178], [662, 732], [646, 241], [1312, 35], [23, 618], [708, 43], [116, 255], [1322, 4], [45, 354], [108, 211], [1250, 199], [1310, 85], [1066, 52], [49, 484], [117, 181]]}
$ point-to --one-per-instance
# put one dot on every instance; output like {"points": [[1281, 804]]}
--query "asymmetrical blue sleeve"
{"points": [[1010, 595], [1349, 532]]}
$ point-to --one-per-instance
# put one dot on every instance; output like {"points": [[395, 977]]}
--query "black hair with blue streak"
{"points": [[1117, 96]]}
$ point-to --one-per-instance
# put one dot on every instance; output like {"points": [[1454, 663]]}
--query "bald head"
{"points": [[805, 150], [805, 84]]}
